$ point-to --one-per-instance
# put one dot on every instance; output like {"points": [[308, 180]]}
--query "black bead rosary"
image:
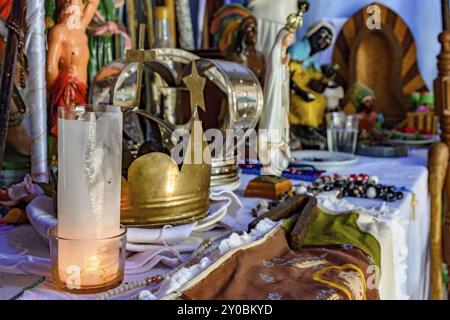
{"points": [[359, 186], [354, 185]]}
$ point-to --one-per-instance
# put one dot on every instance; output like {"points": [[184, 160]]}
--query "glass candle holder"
{"points": [[87, 265], [89, 190]]}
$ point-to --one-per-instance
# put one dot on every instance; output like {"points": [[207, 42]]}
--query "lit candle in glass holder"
{"points": [[89, 243]]}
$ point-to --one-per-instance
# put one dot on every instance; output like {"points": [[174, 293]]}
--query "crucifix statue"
{"points": [[68, 56]]}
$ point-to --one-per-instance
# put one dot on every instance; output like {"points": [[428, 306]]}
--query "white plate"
{"points": [[214, 216], [428, 139], [229, 187], [323, 160], [413, 143]]}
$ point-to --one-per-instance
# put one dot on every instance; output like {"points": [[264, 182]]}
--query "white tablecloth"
{"points": [[410, 172]]}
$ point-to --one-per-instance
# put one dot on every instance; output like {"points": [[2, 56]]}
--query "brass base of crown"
{"points": [[224, 172], [160, 212]]}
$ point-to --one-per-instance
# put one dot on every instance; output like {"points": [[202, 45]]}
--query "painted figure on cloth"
{"points": [[309, 81], [348, 279], [274, 148], [235, 33], [68, 56]]}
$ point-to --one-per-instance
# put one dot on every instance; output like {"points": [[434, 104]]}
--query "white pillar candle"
{"points": [[89, 176]]}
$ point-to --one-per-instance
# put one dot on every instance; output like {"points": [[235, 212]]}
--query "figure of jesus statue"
{"points": [[68, 56]]}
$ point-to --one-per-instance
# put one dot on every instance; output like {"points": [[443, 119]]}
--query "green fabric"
{"points": [[358, 92], [50, 17], [342, 229], [14, 160], [50, 7], [415, 97], [445, 278], [427, 99], [102, 47], [15, 167]]}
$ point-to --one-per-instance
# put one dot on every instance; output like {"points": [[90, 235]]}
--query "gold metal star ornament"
{"points": [[196, 85]]}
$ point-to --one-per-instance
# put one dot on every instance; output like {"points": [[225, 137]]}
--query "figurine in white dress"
{"points": [[271, 16], [274, 151]]}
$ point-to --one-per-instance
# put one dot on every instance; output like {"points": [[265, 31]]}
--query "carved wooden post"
{"points": [[442, 86], [438, 164], [440, 235]]}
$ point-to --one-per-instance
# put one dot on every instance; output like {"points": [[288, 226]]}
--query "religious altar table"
{"points": [[405, 244]]}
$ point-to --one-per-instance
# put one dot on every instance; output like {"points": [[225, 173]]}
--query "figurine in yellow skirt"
{"points": [[307, 106], [308, 82]]}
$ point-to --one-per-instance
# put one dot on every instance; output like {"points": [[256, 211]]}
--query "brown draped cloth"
{"points": [[66, 91], [272, 271]]}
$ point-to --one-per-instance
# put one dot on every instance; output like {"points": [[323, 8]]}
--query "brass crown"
{"points": [[158, 192]]}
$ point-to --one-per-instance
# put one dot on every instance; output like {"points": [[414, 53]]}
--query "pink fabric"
{"points": [[111, 27], [22, 190]]}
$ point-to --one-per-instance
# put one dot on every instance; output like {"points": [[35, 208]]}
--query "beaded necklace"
{"points": [[356, 185], [205, 249]]}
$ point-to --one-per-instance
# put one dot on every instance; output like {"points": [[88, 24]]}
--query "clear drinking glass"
{"points": [[342, 132]]}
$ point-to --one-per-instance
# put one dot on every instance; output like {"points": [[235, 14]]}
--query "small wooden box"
{"points": [[268, 187]]}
